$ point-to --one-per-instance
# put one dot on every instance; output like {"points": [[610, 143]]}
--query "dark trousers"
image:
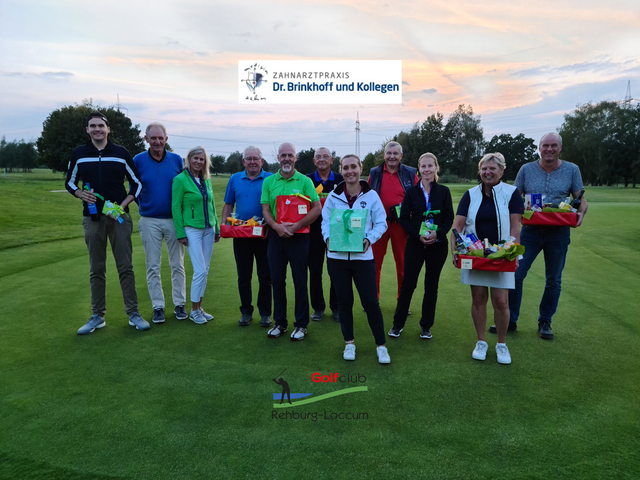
{"points": [[317, 250], [294, 251], [96, 235], [415, 255], [244, 250], [363, 273]]}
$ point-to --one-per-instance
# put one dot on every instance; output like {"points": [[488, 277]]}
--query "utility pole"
{"points": [[627, 98]]}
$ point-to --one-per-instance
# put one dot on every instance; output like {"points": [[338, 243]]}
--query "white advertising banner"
{"points": [[320, 81]]}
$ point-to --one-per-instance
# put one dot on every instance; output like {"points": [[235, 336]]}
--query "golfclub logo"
{"points": [[300, 399], [256, 77]]}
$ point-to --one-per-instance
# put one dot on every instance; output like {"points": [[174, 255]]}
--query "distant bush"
{"points": [[450, 178]]}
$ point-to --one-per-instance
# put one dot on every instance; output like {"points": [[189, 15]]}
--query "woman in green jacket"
{"points": [[197, 227]]}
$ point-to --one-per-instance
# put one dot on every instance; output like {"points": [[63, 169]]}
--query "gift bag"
{"points": [[346, 230], [292, 208]]}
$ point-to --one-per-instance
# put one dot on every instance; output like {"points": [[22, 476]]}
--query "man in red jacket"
{"points": [[391, 180]]}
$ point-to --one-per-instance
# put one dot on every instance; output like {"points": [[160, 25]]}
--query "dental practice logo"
{"points": [[255, 76], [307, 398]]}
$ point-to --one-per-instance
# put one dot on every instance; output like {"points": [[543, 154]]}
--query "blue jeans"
{"points": [[554, 242]]}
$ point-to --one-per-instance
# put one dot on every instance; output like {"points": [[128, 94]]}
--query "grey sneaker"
{"points": [[349, 352], [135, 320], [276, 331], [197, 317], [96, 321], [480, 352], [265, 321], [158, 315], [317, 315], [383, 355], [395, 331], [180, 312], [336, 315], [207, 316], [244, 320], [425, 333], [298, 334]]}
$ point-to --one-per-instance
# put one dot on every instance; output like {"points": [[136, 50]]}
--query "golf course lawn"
{"points": [[187, 401]]}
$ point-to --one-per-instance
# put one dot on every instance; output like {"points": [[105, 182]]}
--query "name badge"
{"points": [[356, 222], [466, 264], [257, 231], [302, 209]]}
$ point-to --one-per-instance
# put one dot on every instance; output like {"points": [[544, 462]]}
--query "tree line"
{"points": [[603, 139], [18, 155], [458, 144]]}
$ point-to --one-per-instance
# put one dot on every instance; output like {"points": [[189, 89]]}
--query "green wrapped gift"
{"points": [[346, 230]]}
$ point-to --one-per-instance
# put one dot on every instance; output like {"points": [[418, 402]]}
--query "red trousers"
{"points": [[398, 237]]}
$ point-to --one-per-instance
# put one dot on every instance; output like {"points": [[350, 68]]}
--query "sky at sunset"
{"points": [[520, 64]]}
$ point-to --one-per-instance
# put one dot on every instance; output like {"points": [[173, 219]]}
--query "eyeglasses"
{"points": [[325, 156], [253, 159]]}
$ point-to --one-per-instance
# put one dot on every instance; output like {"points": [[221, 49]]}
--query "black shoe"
{"points": [[425, 333], [544, 331], [395, 331], [265, 321], [336, 315], [513, 326], [244, 320]]}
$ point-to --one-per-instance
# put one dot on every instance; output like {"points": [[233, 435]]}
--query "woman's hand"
{"points": [[184, 241], [429, 238], [454, 255], [366, 243], [216, 239]]}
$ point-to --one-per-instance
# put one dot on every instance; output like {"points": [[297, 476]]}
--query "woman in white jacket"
{"points": [[360, 267]]}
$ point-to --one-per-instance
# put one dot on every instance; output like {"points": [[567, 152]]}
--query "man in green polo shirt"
{"points": [[287, 246]]}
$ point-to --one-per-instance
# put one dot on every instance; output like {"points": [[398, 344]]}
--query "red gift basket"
{"points": [[243, 231], [469, 262]]}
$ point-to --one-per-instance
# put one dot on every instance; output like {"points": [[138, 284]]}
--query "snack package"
{"points": [[113, 209]]}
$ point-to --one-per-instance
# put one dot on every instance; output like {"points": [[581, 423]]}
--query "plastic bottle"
{"points": [[93, 211]]}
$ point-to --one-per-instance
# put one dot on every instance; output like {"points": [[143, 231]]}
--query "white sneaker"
{"points": [[207, 316], [503, 354], [197, 317], [298, 334], [349, 352], [480, 352], [276, 331], [383, 355]]}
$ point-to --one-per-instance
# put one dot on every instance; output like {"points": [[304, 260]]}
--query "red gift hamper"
{"points": [[292, 208], [552, 219], [243, 231], [469, 262]]}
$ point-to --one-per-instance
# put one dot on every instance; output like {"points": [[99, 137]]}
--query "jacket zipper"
{"points": [[499, 223], [192, 213]]}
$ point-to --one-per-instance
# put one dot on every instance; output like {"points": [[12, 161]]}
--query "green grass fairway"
{"points": [[184, 401]]}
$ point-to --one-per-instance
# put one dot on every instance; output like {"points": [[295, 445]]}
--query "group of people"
{"points": [[176, 205]]}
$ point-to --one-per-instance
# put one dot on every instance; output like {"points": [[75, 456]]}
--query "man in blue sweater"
{"points": [[157, 168]]}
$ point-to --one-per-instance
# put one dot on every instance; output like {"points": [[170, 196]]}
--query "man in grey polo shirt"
{"points": [[555, 179]]}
